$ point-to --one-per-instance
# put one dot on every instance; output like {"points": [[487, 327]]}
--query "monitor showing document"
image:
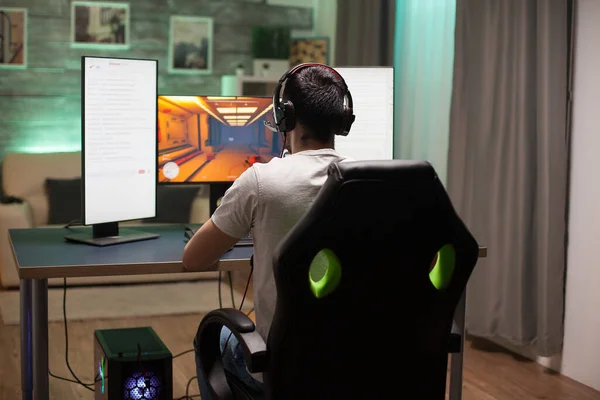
{"points": [[119, 139], [371, 136]]}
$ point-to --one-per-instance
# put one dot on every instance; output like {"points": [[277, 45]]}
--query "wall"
{"points": [[40, 106], [581, 352], [293, 3], [325, 23]]}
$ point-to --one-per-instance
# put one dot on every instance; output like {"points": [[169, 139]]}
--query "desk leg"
{"points": [[40, 337], [456, 362], [26, 340]]}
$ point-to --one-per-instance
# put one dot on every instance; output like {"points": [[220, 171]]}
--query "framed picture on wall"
{"points": [[100, 25], [190, 45], [309, 49], [13, 38]]}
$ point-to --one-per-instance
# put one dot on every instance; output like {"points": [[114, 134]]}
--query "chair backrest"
{"points": [[378, 323]]}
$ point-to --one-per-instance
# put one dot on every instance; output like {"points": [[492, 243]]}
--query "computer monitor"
{"points": [[213, 139], [372, 133], [118, 132]]}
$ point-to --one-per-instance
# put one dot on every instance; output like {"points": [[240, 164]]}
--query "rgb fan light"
{"points": [[142, 386]]}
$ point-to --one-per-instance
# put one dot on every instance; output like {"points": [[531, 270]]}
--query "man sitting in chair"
{"points": [[311, 104]]}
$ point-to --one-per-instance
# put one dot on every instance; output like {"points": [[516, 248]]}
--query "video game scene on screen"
{"points": [[213, 139]]}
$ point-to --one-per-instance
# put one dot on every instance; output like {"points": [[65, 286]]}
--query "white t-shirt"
{"points": [[270, 199]]}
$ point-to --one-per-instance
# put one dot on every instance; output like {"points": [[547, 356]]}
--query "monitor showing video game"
{"points": [[211, 139]]}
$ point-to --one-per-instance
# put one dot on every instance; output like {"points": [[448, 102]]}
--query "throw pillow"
{"points": [[174, 204], [64, 200]]}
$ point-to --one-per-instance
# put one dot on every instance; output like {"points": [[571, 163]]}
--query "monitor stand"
{"points": [[109, 234]]}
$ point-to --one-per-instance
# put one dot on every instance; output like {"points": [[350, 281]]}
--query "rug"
{"points": [[127, 301]]}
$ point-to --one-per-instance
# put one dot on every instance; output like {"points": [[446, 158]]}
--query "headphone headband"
{"points": [[283, 112]]}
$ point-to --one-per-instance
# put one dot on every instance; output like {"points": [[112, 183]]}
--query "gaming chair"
{"points": [[359, 315]]}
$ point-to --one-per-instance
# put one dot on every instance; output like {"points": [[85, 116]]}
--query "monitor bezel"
{"points": [[193, 183], [83, 180]]}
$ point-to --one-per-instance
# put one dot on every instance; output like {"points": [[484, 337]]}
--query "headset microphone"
{"points": [[274, 129], [271, 126]]}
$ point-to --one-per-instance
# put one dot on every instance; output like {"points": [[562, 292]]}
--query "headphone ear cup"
{"points": [[347, 122], [289, 117], [278, 115]]}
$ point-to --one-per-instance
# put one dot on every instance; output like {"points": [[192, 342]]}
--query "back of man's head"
{"points": [[318, 97]]}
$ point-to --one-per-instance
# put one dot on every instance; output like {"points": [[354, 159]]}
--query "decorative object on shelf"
{"points": [[13, 38], [190, 45], [100, 25], [240, 71], [271, 50], [264, 68], [310, 49]]}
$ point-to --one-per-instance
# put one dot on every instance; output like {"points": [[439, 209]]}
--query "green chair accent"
{"points": [[441, 274], [325, 273]]}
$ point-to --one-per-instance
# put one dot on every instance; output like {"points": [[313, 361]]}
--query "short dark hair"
{"points": [[317, 94]]}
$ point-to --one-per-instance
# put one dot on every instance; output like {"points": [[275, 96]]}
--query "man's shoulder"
{"points": [[292, 164], [247, 179]]}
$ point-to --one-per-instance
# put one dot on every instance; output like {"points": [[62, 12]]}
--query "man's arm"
{"points": [[231, 220], [206, 247]]}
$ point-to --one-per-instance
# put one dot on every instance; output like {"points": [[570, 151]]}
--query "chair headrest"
{"points": [[405, 171]]}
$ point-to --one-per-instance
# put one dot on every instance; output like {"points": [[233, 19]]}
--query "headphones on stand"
{"points": [[283, 111]]}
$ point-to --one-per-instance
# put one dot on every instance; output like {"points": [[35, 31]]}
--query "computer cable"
{"points": [[187, 391], [77, 380], [219, 288], [243, 298], [182, 353], [231, 289], [97, 377], [187, 396], [75, 222]]}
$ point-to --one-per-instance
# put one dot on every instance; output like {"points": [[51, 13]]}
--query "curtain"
{"points": [[508, 162], [423, 61], [364, 33]]}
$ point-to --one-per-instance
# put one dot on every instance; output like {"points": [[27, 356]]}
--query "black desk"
{"points": [[43, 253]]}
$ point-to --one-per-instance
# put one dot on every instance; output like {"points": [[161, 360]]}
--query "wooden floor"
{"points": [[489, 374]]}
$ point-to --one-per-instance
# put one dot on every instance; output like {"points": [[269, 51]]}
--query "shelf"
{"points": [[258, 79], [248, 85]]}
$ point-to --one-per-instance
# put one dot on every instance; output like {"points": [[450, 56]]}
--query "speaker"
{"points": [[132, 364]]}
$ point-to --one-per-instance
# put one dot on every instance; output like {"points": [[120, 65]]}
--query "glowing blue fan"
{"points": [[142, 386]]}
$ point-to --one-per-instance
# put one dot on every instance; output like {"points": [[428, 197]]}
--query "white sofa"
{"points": [[24, 176]]}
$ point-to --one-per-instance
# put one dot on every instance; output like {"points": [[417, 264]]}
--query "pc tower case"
{"points": [[132, 364]]}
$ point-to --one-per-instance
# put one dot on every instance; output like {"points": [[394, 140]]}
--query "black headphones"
{"points": [[283, 112]]}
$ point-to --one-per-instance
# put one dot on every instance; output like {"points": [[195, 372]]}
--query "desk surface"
{"points": [[44, 253]]}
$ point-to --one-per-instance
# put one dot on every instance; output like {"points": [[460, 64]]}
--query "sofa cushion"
{"points": [[174, 203], [64, 200], [24, 176]]}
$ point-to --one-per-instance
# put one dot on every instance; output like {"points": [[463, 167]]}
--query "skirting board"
{"points": [[553, 363]]}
